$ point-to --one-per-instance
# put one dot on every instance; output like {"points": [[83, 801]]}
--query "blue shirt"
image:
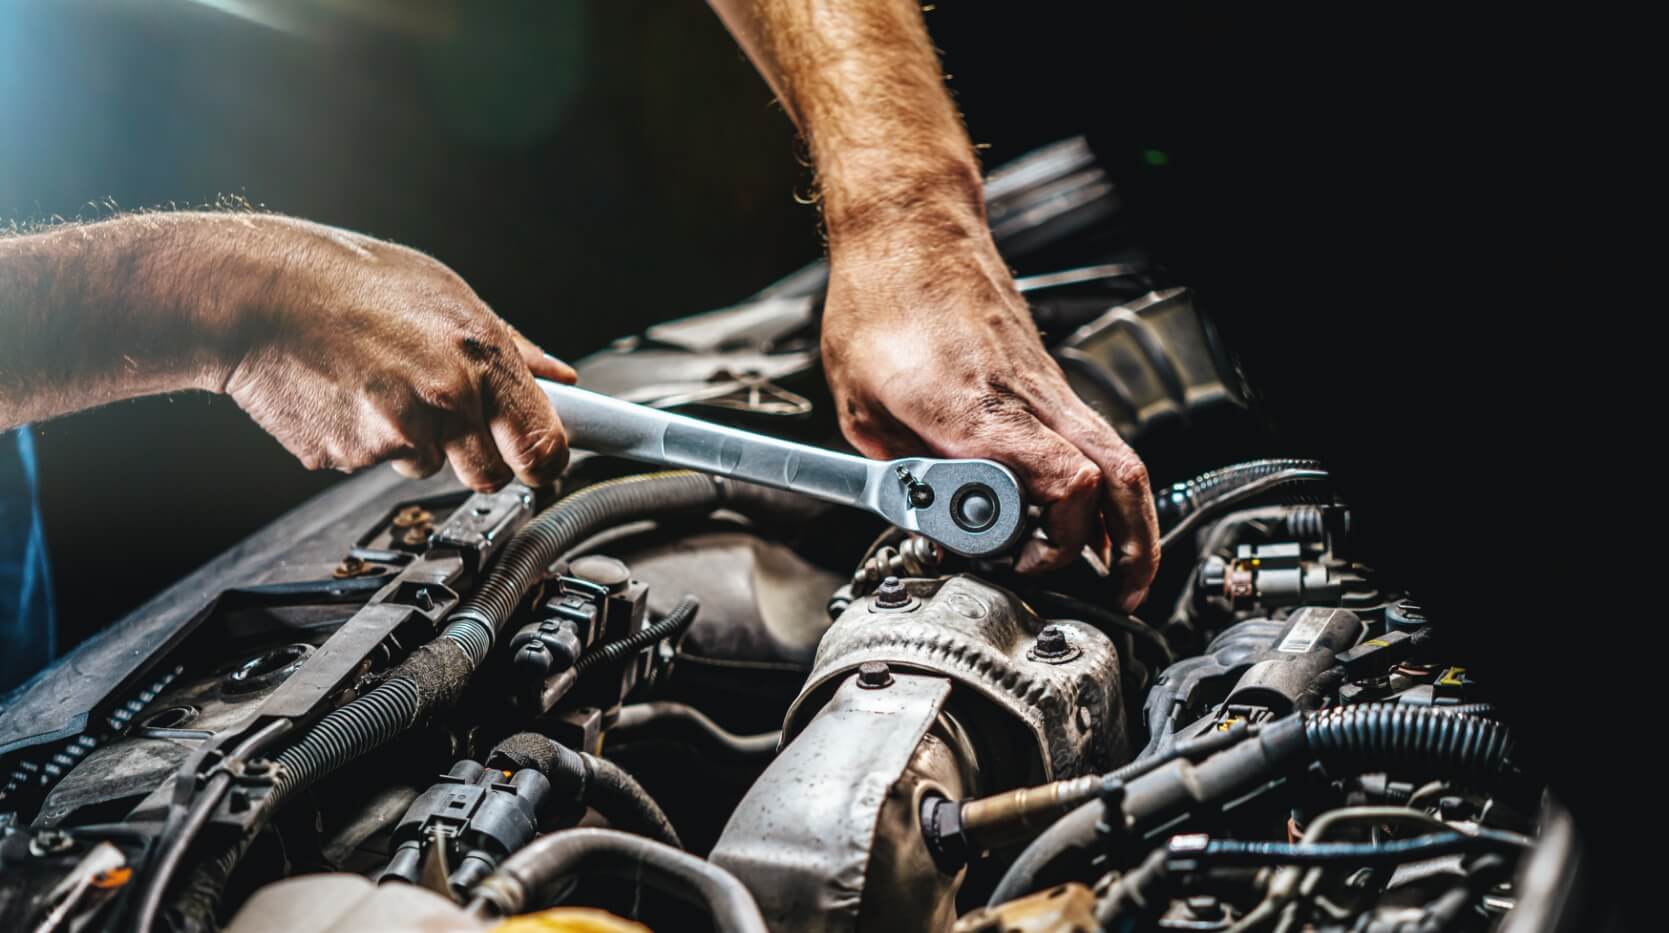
{"points": [[27, 632]]}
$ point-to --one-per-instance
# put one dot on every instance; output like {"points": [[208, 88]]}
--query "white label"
{"points": [[1303, 635]]}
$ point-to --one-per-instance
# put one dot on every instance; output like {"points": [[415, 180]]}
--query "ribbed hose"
{"points": [[1431, 739], [369, 722], [1182, 499], [673, 625], [1294, 486], [1353, 739], [475, 623], [436, 673]]}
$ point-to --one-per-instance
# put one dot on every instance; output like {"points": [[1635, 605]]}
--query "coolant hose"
{"points": [[528, 879], [595, 782], [1351, 739]]}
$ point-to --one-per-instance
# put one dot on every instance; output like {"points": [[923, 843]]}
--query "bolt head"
{"points": [[1051, 641], [873, 675], [891, 594]]}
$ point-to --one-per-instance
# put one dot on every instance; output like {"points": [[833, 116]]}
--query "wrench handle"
{"points": [[977, 509], [610, 426]]}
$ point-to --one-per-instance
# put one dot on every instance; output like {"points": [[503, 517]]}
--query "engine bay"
{"points": [[691, 703]]}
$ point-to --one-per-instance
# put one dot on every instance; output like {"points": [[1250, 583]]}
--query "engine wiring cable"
{"points": [[1146, 889], [1179, 500], [672, 625], [1289, 884], [176, 840], [434, 675], [1344, 740], [1231, 498]]}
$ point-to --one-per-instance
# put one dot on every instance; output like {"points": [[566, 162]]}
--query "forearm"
{"points": [[861, 81], [138, 305]]}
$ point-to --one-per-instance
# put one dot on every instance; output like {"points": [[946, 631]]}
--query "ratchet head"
{"points": [[972, 507]]}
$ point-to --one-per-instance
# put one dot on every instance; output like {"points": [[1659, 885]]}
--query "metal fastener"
{"points": [[1053, 647], [891, 594], [1051, 642], [873, 675]]}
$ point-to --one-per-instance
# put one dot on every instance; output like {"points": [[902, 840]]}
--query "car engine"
{"points": [[665, 700]]}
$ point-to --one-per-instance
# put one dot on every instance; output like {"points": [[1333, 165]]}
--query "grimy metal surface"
{"points": [[972, 507], [982, 637], [810, 839]]}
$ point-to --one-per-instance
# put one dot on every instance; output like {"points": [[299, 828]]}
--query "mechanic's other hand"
{"points": [[352, 351], [931, 348]]}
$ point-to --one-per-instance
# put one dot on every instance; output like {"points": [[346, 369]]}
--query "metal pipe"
{"points": [[531, 875]]}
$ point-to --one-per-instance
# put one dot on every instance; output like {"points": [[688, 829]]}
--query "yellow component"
{"points": [[1228, 723], [1377, 643], [570, 920], [1453, 677]]}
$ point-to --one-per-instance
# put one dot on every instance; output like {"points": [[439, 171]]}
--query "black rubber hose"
{"points": [[529, 878], [1355, 739], [622, 800], [476, 621], [1185, 498], [1430, 739], [436, 673], [702, 730], [1079, 829], [609, 653], [1237, 497], [586, 779]]}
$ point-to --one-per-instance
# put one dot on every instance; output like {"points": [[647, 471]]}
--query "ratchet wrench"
{"points": [[972, 507]]}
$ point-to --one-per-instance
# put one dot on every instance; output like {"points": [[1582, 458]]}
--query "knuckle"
{"points": [[535, 449], [1066, 475], [1130, 472], [1084, 478]]}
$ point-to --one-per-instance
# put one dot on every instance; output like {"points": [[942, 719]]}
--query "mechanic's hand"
{"points": [[352, 351], [933, 349]]}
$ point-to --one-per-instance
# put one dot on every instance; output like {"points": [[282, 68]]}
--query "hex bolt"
{"points": [[891, 594], [1051, 642], [873, 675]]}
